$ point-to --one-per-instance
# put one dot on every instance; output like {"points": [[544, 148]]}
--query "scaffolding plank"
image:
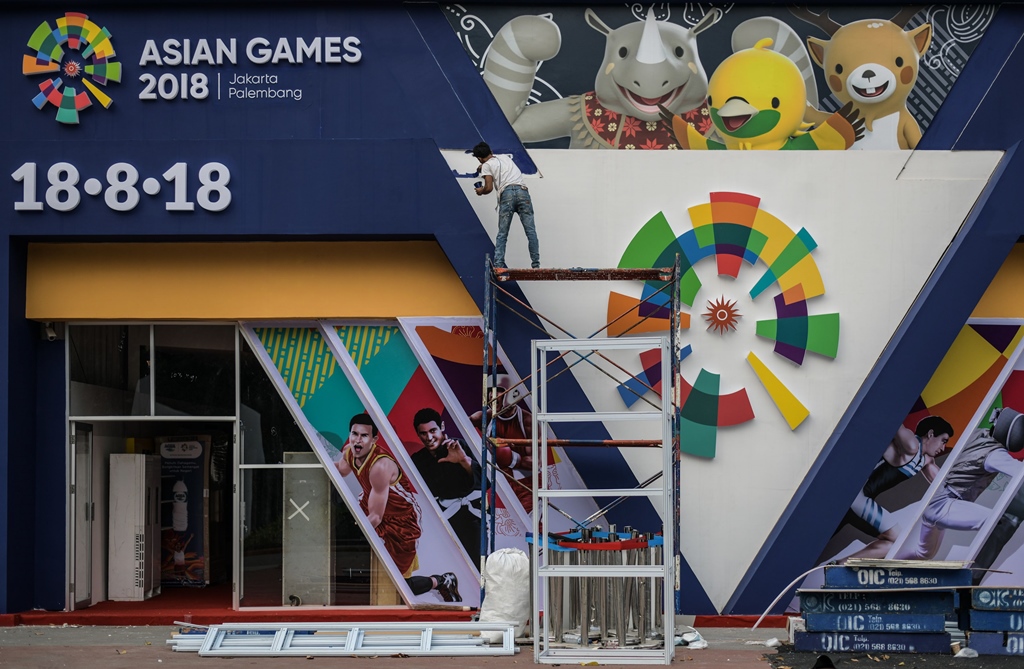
{"points": [[612, 443], [664, 274], [597, 416], [603, 492]]}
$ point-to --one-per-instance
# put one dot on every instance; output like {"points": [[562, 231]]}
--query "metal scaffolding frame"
{"points": [[658, 648]]}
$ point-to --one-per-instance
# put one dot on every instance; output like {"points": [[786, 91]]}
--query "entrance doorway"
{"points": [[194, 399]]}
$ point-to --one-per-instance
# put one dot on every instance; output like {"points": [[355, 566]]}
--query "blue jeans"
{"points": [[516, 199]]}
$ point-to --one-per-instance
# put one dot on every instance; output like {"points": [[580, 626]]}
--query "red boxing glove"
{"points": [[506, 457]]}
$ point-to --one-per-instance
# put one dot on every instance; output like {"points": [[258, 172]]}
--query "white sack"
{"points": [[507, 587]]}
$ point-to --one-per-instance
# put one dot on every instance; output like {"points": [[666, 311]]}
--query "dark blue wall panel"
{"points": [[6, 428], [24, 444], [49, 459], [357, 158], [954, 126]]}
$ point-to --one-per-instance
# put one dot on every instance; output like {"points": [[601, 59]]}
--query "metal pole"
{"points": [[489, 419], [643, 597], [603, 594], [486, 507], [557, 594], [585, 594], [672, 488]]}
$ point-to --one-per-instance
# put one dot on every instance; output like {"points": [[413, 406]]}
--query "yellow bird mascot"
{"points": [[757, 100]]}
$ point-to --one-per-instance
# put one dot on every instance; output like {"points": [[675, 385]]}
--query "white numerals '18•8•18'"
{"points": [[121, 193]]}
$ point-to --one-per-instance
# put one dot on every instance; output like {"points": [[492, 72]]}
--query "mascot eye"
{"points": [[623, 52], [839, 69], [899, 62], [679, 52], [775, 103], [710, 103]]}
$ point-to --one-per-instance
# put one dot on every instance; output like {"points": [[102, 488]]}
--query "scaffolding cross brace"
{"points": [[586, 350]]}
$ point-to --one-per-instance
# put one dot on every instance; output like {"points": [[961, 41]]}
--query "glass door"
{"points": [[83, 516]]}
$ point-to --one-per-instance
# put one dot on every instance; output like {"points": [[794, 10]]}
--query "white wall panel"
{"points": [[881, 221]]}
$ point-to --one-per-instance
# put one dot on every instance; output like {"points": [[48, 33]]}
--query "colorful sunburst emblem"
{"points": [[732, 229], [722, 315], [78, 51]]}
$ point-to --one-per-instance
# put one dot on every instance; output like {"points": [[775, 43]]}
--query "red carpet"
{"points": [[769, 622], [206, 606]]}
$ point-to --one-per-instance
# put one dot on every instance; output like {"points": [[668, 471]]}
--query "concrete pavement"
{"points": [[47, 647]]}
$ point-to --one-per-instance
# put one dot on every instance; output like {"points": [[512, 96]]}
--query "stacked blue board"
{"points": [[996, 621], [876, 609]]}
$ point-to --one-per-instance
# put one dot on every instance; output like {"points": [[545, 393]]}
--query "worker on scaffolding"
{"points": [[501, 174]]}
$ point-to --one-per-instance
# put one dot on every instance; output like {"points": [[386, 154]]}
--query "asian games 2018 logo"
{"points": [[78, 51]]}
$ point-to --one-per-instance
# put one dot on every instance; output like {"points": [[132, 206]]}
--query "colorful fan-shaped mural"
{"points": [[77, 48], [732, 229], [967, 373]]}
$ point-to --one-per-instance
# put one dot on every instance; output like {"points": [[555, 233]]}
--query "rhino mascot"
{"points": [[647, 64]]}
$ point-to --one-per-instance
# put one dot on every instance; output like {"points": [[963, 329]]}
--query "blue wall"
{"points": [[358, 158]]}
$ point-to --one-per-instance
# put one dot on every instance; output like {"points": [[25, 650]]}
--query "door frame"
{"points": [[71, 585]]}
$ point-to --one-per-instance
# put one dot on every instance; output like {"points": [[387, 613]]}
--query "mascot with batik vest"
{"points": [[647, 64]]}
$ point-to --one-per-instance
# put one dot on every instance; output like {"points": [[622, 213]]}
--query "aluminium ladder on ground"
{"points": [[348, 639], [667, 414]]}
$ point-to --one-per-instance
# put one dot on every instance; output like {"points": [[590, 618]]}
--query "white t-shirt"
{"points": [[503, 171]]}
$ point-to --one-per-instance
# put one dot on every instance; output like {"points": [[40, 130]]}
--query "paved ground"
{"points": [[131, 647], [50, 647], [786, 657]]}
